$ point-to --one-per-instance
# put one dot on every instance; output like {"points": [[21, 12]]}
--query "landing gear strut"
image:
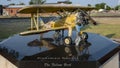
{"points": [[82, 37]]}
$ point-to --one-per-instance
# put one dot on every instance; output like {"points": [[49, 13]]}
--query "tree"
{"points": [[102, 6], [65, 2], [108, 7], [37, 2], [31, 2], [117, 7], [21, 3], [68, 2], [12, 4], [97, 6], [89, 5]]}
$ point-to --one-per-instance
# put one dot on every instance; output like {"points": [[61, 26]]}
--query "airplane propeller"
{"points": [[88, 17]]}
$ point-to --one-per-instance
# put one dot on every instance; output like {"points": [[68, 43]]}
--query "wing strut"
{"points": [[35, 20], [32, 21]]}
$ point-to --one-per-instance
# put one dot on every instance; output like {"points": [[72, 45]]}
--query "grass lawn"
{"points": [[108, 30], [9, 29], [103, 14]]}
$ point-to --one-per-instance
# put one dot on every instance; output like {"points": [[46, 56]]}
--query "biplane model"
{"points": [[70, 17]]}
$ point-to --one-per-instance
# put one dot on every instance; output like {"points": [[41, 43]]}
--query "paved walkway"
{"points": [[117, 40]]}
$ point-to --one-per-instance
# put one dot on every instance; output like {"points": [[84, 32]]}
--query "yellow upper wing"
{"points": [[50, 8]]}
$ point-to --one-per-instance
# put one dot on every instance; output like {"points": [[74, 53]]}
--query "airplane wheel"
{"points": [[68, 51], [67, 41], [84, 36]]}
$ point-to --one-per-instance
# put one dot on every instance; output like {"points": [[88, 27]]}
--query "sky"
{"points": [[111, 3]]}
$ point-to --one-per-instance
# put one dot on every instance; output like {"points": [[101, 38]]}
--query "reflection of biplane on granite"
{"points": [[80, 51], [70, 17]]}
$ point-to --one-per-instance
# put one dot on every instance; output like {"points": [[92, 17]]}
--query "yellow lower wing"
{"points": [[31, 32]]}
